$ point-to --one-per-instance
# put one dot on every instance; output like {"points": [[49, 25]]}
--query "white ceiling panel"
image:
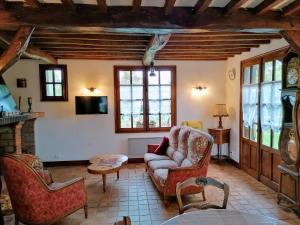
{"points": [[50, 1], [252, 3], [185, 3], [219, 3], [89, 2], [155, 3], [119, 2], [283, 4]]}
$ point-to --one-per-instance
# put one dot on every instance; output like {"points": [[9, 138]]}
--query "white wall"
{"points": [[61, 135], [233, 90]]}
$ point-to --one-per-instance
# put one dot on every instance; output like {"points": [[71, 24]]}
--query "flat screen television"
{"points": [[91, 105]]}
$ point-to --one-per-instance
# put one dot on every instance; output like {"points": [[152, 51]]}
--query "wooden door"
{"points": [[250, 118], [271, 119]]}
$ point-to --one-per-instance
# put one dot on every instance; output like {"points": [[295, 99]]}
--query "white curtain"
{"points": [[271, 109], [250, 99]]}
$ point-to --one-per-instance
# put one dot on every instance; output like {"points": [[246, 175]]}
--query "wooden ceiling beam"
{"points": [[16, 48], [102, 6], [136, 5], [136, 43], [293, 38], [201, 6], [233, 6], [224, 38], [169, 5], [86, 19], [68, 4], [265, 6], [291, 8], [157, 42], [90, 37]]}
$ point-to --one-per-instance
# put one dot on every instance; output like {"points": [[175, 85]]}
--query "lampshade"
{"points": [[220, 110]]}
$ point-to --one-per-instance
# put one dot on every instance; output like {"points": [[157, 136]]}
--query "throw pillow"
{"points": [[162, 148]]}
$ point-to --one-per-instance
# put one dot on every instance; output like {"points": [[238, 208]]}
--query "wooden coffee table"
{"points": [[105, 164]]}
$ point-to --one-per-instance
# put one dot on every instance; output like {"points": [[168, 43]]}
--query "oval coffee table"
{"points": [[105, 164]]}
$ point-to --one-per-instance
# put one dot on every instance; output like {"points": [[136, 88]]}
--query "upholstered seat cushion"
{"points": [[151, 156], [161, 175], [162, 164]]}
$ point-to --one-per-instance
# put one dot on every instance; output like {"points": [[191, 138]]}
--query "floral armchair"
{"points": [[35, 198], [188, 155]]}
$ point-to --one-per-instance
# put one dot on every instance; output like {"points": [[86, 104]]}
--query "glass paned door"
{"points": [[270, 104], [250, 102]]}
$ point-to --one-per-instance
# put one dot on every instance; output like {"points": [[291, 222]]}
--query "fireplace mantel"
{"points": [[20, 118]]}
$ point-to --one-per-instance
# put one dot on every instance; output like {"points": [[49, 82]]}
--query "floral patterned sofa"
{"points": [[188, 155]]}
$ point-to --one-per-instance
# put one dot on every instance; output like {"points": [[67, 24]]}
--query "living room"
{"points": [[196, 67]]}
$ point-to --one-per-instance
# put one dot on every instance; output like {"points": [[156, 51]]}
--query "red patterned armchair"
{"points": [[188, 155], [35, 198]]}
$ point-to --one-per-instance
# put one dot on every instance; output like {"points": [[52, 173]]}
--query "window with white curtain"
{"points": [[270, 103], [250, 102]]}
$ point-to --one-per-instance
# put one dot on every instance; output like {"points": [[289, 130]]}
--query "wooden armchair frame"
{"points": [[126, 221], [201, 182]]}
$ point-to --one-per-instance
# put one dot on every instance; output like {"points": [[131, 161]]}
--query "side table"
{"points": [[221, 136]]}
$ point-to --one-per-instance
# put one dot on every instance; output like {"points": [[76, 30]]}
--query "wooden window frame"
{"points": [[64, 83], [146, 127]]}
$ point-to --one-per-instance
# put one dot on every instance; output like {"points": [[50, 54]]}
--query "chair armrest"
{"points": [[152, 148], [60, 186]]}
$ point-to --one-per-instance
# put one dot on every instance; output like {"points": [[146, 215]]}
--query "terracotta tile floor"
{"points": [[135, 195]]}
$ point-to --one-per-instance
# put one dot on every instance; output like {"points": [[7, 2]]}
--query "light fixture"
{"points": [[200, 88], [220, 111], [91, 90], [152, 70]]}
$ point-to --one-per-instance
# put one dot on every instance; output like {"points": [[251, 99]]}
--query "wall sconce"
{"points": [[198, 90], [91, 90]]}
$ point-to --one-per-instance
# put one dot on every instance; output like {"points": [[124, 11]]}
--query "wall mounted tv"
{"points": [[91, 105]]}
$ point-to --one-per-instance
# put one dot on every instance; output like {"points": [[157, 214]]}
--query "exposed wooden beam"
{"points": [[102, 5], [265, 6], [169, 5], [31, 52], [293, 38], [136, 5], [124, 21], [233, 6], [157, 43], [68, 4], [16, 48], [32, 3], [36, 53], [201, 6], [292, 8], [233, 37]]}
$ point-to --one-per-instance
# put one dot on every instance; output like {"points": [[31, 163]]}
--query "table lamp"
{"points": [[220, 111]]}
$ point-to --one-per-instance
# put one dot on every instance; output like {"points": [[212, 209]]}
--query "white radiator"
{"points": [[138, 146]]}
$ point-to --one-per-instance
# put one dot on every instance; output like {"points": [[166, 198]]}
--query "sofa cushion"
{"points": [[173, 137], [163, 146], [170, 151], [162, 164], [183, 140], [178, 157], [197, 145], [186, 163], [161, 175], [151, 156]]}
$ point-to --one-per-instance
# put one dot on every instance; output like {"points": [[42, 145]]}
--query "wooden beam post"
{"points": [[157, 42], [169, 5], [16, 48], [293, 38], [201, 6], [31, 52], [233, 6], [136, 5]]}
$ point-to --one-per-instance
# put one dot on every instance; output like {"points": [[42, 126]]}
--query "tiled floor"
{"points": [[135, 195]]}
